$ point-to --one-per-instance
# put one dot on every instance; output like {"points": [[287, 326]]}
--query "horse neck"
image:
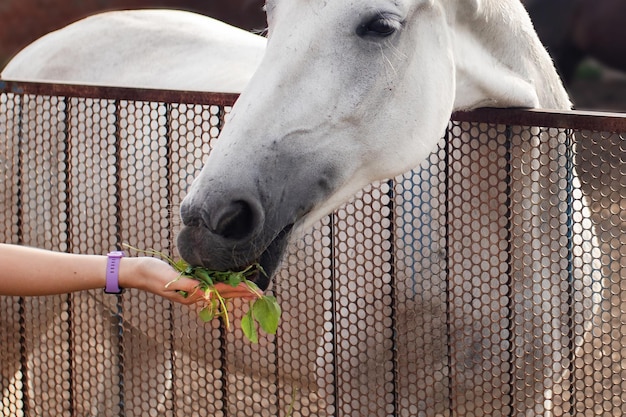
{"points": [[500, 61]]}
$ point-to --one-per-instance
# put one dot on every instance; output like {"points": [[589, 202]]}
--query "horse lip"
{"points": [[269, 259], [272, 256]]}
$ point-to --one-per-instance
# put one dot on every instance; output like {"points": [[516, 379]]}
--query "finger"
{"points": [[184, 284], [195, 294], [240, 291], [179, 298], [189, 299], [185, 294]]}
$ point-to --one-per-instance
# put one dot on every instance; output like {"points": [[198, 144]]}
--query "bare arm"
{"points": [[26, 271]]}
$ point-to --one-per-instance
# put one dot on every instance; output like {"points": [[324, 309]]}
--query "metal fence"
{"points": [[486, 282]]}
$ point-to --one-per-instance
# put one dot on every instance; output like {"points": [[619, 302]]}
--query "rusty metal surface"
{"points": [[486, 282], [575, 119], [117, 93]]}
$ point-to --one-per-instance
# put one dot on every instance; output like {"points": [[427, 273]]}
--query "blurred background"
{"points": [[584, 36], [23, 21]]}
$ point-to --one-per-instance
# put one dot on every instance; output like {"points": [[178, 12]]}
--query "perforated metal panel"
{"points": [[486, 282]]}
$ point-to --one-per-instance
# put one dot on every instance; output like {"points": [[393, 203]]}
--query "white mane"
{"points": [[505, 62]]}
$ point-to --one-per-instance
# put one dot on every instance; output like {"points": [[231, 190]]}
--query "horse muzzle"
{"points": [[231, 236]]}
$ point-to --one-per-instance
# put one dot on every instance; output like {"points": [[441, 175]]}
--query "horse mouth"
{"points": [[271, 258], [194, 248]]}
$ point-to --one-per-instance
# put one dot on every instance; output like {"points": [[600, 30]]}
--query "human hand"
{"points": [[158, 277]]}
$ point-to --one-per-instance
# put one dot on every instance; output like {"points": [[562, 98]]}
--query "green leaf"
{"points": [[234, 279], [249, 328], [203, 275], [206, 314], [267, 312], [180, 265]]}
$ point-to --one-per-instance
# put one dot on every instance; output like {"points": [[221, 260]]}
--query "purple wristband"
{"points": [[112, 276]]}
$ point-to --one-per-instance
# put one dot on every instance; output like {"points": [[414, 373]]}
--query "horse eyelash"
{"points": [[388, 61], [260, 32]]}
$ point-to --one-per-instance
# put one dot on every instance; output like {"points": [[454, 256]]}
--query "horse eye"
{"points": [[380, 26]]}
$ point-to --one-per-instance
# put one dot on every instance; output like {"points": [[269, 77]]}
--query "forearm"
{"points": [[28, 271]]}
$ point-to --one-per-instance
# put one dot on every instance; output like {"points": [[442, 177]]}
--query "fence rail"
{"points": [[487, 281], [588, 120]]}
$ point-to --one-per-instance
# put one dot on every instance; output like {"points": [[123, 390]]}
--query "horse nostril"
{"points": [[234, 221]]}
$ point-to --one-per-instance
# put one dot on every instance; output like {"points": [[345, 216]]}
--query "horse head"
{"points": [[348, 93]]}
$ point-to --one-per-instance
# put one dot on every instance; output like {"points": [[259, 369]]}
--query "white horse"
{"points": [[163, 49], [362, 91], [355, 92]]}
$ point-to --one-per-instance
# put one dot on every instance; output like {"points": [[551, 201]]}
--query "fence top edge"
{"points": [[573, 119], [117, 93], [563, 119]]}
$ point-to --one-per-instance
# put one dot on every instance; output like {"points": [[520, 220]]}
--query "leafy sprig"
{"points": [[263, 310]]}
